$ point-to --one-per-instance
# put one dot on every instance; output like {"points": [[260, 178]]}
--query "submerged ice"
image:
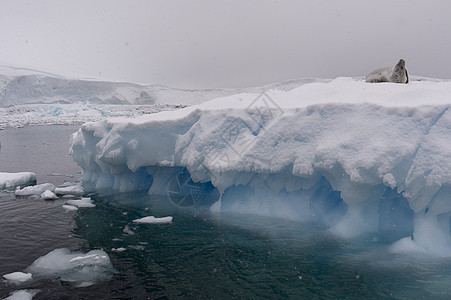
{"points": [[76, 268], [358, 157]]}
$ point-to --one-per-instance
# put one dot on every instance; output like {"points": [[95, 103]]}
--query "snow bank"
{"points": [[11, 180], [357, 156]]}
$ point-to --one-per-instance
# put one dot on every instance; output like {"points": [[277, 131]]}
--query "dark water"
{"points": [[200, 255]]}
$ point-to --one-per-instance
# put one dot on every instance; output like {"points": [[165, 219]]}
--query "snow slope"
{"points": [[358, 157]]}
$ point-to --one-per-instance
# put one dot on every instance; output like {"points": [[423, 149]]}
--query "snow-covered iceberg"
{"points": [[357, 156]]}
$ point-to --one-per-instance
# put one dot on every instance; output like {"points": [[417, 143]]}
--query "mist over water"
{"points": [[201, 254]]}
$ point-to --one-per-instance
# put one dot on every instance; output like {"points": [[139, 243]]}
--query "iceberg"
{"points": [[356, 156], [11, 180]]}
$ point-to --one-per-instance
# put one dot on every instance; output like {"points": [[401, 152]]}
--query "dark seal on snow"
{"points": [[396, 74]]}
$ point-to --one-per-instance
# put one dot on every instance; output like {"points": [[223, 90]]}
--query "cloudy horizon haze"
{"points": [[212, 43]]}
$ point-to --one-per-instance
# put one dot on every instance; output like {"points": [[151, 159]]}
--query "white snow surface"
{"points": [[357, 156], [11, 180]]}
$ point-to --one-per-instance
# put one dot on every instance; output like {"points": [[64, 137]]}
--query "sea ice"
{"points": [[76, 268], [17, 277], [70, 190], [83, 202], [22, 295], [120, 249], [48, 195], [35, 189], [69, 207], [153, 220], [11, 180]]}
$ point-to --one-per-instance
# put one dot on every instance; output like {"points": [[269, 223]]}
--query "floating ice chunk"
{"points": [[83, 202], [10, 180], [22, 295], [69, 207], [72, 190], [48, 195], [153, 220], [35, 189], [17, 276], [127, 230], [79, 269], [120, 249]]}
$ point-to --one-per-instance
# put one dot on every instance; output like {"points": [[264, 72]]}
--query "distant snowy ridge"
{"points": [[20, 86], [359, 157]]}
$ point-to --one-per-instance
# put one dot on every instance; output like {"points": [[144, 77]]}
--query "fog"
{"points": [[211, 43]]}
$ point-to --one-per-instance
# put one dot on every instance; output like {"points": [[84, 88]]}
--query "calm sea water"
{"points": [[201, 255]]}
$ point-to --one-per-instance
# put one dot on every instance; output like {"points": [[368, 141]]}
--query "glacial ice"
{"points": [[153, 220], [68, 207], [83, 202], [17, 276], [48, 195], [355, 156], [76, 268], [35, 189], [76, 190], [22, 295], [11, 180]]}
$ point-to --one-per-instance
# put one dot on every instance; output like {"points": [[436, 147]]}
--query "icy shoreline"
{"points": [[359, 157]]}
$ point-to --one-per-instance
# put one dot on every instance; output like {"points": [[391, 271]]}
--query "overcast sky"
{"points": [[227, 43]]}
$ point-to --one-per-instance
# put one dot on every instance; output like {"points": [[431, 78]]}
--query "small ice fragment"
{"points": [[22, 295], [83, 202], [120, 249], [153, 220], [48, 195], [35, 189], [127, 230], [72, 190], [17, 276], [75, 268], [69, 207], [87, 257]]}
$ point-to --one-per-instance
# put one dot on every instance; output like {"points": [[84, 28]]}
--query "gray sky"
{"points": [[228, 43]]}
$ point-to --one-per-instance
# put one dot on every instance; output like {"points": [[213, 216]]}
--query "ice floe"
{"points": [[12, 180]]}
